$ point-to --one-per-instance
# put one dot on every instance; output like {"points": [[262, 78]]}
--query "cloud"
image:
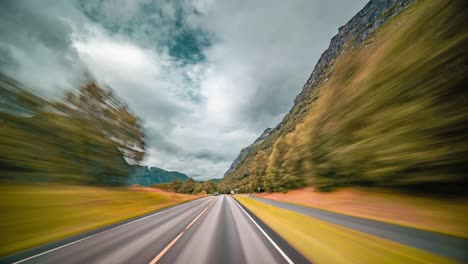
{"points": [[35, 44], [207, 77], [265, 53]]}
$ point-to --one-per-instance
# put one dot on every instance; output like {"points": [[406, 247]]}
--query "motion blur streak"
{"points": [[89, 137]]}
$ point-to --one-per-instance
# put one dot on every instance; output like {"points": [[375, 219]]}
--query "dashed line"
{"points": [[169, 246], [88, 237]]}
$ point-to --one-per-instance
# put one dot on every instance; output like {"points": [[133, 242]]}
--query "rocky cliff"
{"points": [[245, 151], [358, 29]]}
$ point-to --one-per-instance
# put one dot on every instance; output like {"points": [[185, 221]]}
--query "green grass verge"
{"points": [[322, 242], [33, 215]]}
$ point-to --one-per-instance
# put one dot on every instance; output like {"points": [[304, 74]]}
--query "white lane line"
{"points": [[265, 234], [88, 237], [159, 256]]}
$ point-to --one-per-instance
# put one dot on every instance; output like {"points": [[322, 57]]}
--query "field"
{"points": [[436, 214], [321, 242], [36, 214]]}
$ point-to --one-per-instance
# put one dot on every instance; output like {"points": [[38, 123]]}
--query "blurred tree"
{"points": [[258, 171], [210, 186], [187, 187], [198, 188], [110, 115], [275, 171], [176, 184]]}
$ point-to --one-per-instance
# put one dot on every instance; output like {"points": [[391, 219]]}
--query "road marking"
{"points": [[88, 237], [266, 235], [159, 256]]}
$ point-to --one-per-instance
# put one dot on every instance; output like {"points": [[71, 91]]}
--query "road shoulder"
{"points": [[322, 242]]}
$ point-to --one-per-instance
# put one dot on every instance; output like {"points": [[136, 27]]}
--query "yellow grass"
{"points": [[32, 215], [321, 242], [436, 214]]}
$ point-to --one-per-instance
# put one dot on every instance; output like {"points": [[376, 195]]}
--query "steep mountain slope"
{"points": [[147, 176], [245, 151], [384, 105]]}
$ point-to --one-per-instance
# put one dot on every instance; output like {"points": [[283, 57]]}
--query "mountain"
{"points": [[147, 176], [245, 151], [382, 106]]}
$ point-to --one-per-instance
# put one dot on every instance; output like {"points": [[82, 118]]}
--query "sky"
{"points": [[205, 76]]}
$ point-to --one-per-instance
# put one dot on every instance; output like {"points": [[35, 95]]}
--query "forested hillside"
{"points": [[386, 105]]}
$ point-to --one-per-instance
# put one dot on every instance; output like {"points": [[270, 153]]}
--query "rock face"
{"points": [[147, 176], [245, 151], [363, 24]]}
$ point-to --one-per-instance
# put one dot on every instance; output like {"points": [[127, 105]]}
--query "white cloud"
{"points": [[122, 58]]}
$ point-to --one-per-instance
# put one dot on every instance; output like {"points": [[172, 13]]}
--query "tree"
{"points": [[176, 184], [110, 115], [258, 171], [187, 187], [198, 188], [210, 186], [275, 170]]}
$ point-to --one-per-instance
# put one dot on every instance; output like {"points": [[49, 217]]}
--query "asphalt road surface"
{"points": [[449, 246], [208, 230]]}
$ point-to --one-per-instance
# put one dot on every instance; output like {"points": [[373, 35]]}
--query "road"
{"points": [[208, 230], [450, 246]]}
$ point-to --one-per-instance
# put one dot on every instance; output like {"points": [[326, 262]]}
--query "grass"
{"points": [[33, 215], [321, 242], [436, 214]]}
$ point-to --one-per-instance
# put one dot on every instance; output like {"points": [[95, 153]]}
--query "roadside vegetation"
{"points": [[432, 213], [391, 112], [322, 242], [35, 214], [190, 186]]}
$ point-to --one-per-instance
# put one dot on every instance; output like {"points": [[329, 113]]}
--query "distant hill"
{"points": [[215, 180], [147, 176]]}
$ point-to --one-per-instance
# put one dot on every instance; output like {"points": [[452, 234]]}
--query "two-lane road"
{"points": [[208, 230]]}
